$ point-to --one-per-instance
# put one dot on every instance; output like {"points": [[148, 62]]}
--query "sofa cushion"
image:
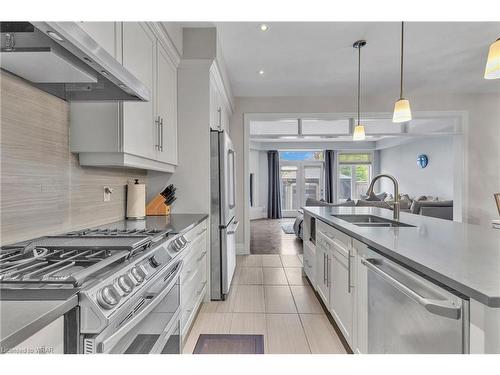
{"points": [[374, 197], [310, 202], [417, 205], [379, 204]]}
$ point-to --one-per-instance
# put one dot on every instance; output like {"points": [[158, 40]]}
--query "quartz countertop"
{"points": [[21, 316], [463, 257], [177, 223]]}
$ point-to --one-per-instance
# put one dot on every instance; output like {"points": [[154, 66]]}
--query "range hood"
{"points": [[62, 59]]}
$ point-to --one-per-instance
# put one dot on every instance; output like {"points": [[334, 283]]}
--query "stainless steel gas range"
{"points": [[128, 285]]}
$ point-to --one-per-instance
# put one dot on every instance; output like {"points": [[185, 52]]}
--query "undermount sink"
{"points": [[371, 221]]}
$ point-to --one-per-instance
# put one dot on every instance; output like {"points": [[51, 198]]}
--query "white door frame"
{"points": [[461, 147], [301, 165]]}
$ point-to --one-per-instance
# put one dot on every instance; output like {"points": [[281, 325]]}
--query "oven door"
{"points": [[151, 326]]}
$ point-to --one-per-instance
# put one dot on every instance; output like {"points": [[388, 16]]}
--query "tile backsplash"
{"points": [[44, 190]]}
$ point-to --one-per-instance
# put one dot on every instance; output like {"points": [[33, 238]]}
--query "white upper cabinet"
{"points": [[139, 52], [220, 109], [166, 107], [131, 134]]}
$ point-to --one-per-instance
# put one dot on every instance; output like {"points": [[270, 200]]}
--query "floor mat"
{"points": [[287, 228], [229, 344]]}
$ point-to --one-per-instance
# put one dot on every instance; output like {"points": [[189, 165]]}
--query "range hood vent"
{"points": [[62, 59]]}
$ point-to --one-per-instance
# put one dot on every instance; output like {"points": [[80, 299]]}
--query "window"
{"points": [[354, 175], [302, 156]]}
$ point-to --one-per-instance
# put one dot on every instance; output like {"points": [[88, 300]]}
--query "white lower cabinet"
{"points": [[335, 278], [323, 256], [193, 275], [342, 290]]}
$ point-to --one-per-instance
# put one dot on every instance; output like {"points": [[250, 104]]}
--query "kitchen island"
{"points": [[462, 258]]}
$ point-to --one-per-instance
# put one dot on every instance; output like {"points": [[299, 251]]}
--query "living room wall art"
{"points": [[422, 161]]}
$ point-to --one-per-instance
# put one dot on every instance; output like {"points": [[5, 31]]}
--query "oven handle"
{"points": [[107, 343], [442, 308]]}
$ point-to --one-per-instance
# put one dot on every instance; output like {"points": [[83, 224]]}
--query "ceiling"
{"points": [[317, 58]]}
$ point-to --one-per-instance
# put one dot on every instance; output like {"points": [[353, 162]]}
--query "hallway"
{"points": [[267, 237]]}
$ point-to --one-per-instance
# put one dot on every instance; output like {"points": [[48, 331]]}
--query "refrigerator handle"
{"points": [[233, 229]]}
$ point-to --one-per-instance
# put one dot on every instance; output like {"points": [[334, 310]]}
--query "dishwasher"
{"points": [[409, 314]]}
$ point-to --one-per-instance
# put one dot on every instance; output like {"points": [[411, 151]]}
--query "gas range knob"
{"points": [[153, 262], [107, 297], [125, 284], [137, 275]]}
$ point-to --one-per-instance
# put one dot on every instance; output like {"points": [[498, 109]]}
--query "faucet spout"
{"points": [[397, 205]]}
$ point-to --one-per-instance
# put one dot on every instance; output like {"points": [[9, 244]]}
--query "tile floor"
{"points": [[270, 297]]}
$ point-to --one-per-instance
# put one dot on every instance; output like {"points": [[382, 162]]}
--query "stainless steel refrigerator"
{"points": [[223, 222]]}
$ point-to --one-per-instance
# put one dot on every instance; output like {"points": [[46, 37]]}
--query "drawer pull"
{"points": [[201, 257]]}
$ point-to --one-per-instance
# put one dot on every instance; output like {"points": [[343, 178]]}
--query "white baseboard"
{"points": [[240, 249]]}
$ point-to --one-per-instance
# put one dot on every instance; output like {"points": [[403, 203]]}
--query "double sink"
{"points": [[371, 221]]}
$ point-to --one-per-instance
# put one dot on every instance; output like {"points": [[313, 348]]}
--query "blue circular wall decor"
{"points": [[422, 161]]}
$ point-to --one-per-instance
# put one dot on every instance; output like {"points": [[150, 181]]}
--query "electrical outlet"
{"points": [[107, 193]]}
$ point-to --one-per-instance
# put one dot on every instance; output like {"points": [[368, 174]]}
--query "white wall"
{"points": [[482, 138], [436, 179], [258, 167]]}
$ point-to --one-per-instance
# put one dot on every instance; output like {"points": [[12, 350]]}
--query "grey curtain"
{"points": [[329, 176], [273, 191]]}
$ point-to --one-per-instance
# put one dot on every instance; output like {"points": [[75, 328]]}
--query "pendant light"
{"points": [[492, 70], [359, 130], [402, 110]]}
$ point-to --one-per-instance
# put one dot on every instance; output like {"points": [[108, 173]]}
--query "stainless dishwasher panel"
{"points": [[409, 314]]}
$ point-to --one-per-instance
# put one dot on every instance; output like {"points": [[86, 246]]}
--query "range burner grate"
{"points": [[62, 266]]}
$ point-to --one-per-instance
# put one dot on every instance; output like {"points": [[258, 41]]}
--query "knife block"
{"points": [[157, 207]]}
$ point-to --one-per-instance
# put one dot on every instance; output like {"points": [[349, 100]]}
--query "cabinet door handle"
{"points": [[161, 134], [157, 122], [324, 268], [327, 270], [220, 117], [349, 272]]}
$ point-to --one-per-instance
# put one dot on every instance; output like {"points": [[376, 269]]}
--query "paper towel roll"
{"points": [[136, 201]]}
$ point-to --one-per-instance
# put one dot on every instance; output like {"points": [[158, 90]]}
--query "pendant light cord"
{"points": [[402, 51], [359, 78]]}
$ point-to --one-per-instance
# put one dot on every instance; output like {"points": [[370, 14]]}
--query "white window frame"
{"points": [[353, 171]]}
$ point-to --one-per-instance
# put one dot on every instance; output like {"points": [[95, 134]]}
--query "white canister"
{"points": [[136, 200]]}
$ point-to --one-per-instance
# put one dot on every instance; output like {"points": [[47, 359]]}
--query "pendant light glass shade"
{"points": [[492, 70], [402, 111], [359, 133]]}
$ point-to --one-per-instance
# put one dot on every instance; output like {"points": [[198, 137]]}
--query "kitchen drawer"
{"points": [[193, 263], [193, 275], [191, 307], [340, 239], [197, 231], [196, 246]]}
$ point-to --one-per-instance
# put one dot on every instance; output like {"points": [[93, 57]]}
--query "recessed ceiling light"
{"points": [[55, 36], [263, 27], [261, 72]]}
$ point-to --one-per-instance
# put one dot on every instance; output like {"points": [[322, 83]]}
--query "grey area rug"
{"points": [[229, 344], [287, 228]]}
